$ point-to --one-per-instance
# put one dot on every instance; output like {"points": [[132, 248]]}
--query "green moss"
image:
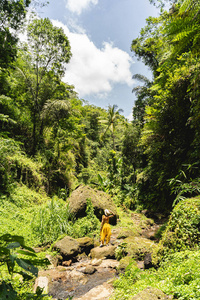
{"points": [[138, 247], [127, 222], [125, 262]]}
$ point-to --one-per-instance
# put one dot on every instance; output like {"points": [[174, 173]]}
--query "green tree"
{"points": [[8, 116], [144, 96], [168, 45], [132, 156], [43, 62], [111, 121], [12, 14]]}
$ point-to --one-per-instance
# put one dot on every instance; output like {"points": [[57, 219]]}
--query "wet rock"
{"points": [[62, 286], [103, 252], [110, 263], [68, 247], [86, 244], [96, 262], [100, 292], [76, 276], [100, 200], [67, 263], [89, 270], [151, 293], [150, 233], [148, 261], [41, 282]]}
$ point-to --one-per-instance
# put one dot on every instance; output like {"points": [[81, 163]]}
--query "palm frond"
{"points": [[55, 109]]}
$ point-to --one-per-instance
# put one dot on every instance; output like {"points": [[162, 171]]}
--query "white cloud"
{"points": [[130, 117], [77, 6], [92, 70]]}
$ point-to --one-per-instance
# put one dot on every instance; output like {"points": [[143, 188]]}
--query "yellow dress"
{"points": [[106, 232]]}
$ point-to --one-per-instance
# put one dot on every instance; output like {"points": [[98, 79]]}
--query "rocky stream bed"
{"points": [[86, 271]]}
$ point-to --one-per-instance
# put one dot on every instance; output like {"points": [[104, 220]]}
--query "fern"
{"points": [[183, 28], [191, 5]]}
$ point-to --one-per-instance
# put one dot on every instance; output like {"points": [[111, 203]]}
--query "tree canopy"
{"points": [[77, 142]]}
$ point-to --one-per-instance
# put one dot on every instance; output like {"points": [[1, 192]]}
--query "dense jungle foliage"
{"points": [[51, 141]]}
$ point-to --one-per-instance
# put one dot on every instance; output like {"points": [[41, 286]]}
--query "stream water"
{"points": [[65, 288]]}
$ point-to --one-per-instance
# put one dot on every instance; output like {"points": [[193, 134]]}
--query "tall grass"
{"points": [[51, 221]]}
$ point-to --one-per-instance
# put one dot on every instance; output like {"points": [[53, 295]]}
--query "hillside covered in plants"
{"points": [[52, 142]]}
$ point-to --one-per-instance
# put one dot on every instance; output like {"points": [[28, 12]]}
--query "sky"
{"points": [[100, 34]]}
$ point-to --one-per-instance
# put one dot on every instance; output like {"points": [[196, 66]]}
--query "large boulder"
{"points": [[151, 293], [102, 253], [69, 247], [138, 247], [100, 200], [86, 244]]}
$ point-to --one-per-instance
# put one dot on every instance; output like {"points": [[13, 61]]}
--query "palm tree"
{"points": [[111, 121]]}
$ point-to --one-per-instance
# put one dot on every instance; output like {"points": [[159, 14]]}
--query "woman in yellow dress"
{"points": [[105, 231]]}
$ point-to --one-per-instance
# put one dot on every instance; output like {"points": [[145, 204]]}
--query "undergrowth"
{"points": [[89, 225], [51, 220], [178, 275], [182, 230]]}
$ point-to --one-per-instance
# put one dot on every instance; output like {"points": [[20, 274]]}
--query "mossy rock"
{"points": [[70, 248], [138, 247], [102, 253], [125, 232], [86, 244], [124, 263], [151, 293], [100, 201], [67, 247]]}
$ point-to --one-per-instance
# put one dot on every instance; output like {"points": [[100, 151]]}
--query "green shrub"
{"points": [[178, 275], [183, 229], [18, 259], [17, 210], [22, 196], [124, 285], [16, 166], [89, 225], [121, 251], [16, 220]]}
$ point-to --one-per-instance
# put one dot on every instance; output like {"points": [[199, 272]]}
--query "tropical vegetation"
{"points": [[51, 141]]}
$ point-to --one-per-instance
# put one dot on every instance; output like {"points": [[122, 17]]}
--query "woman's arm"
{"points": [[102, 223], [111, 215]]}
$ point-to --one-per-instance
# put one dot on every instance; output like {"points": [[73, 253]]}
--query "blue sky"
{"points": [[100, 33]]}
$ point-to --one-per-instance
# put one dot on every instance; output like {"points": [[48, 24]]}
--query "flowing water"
{"points": [[65, 288]]}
